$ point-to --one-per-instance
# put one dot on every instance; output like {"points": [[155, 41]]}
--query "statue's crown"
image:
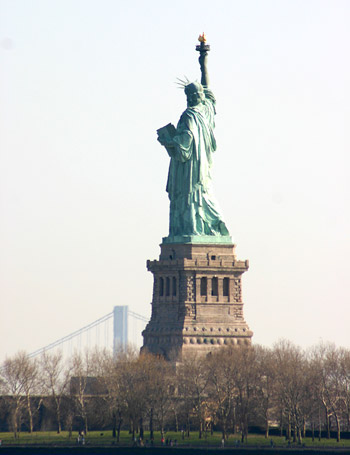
{"points": [[193, 87]]}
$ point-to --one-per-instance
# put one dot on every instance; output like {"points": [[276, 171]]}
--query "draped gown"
{"points": [[193, 208]]}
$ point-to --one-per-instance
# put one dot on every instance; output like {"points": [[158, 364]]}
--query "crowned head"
{"points": [[194, 93]]}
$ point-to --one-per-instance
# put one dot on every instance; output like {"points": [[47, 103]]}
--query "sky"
{"points": [[84, 85]]}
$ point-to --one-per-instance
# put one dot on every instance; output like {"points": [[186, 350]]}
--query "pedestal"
{"points": [[197, 302]]}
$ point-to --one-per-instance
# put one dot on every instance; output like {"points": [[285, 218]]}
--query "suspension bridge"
{"points": [[117, 329]]}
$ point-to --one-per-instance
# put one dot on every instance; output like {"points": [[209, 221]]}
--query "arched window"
{"points": [[226, 286], [174, 286], [214, 286], [161, 287], [167, 286], [204, 286]]}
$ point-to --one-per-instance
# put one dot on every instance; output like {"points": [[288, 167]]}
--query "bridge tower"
{"points": [[120, 327]]}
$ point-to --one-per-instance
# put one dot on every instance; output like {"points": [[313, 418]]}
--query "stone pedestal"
{"points": [[197, 300]]}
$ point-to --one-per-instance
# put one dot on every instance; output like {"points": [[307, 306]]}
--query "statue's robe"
{"points": [[193, 209]]}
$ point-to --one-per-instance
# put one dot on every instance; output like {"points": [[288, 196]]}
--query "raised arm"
{"points": [[203, 50], [203, 62]]}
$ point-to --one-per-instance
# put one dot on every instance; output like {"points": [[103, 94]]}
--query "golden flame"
{"points": [[202, 38]]}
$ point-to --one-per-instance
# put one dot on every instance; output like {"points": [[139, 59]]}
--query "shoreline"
{"points": [[127, 450]]}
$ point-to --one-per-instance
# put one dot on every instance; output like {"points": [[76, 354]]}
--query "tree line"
{"points": [[231, 390]]}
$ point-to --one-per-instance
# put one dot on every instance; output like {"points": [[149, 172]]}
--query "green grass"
{"points": [[105, 438]]}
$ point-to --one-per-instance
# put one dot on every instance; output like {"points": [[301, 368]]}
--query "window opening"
{"points": [[161, 287], [204, 285], [226, 285], [167, 286], [174, 286], [214, 286]]}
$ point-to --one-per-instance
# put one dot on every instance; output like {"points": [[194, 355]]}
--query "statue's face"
{"points": [[195, 98]]}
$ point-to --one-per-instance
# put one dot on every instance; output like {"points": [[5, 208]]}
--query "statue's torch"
{"points": [[203, 50]]}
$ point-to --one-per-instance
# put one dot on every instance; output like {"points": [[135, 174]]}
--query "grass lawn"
{"points": [[104, 438]]}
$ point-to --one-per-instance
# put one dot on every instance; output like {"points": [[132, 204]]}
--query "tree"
{"points": [[222, 390], [192, 381], [326, 360], [54, 380], [30, 383], [245, 376], [292, 385], [133, 389], [265, 386], [105, 367], [19, 374], [80, 370], [159, 389], [344, 366]]}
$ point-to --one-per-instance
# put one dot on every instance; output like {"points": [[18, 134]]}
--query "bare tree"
{"points": [[326, 360], [80, 369], [222, 391], [19, 375], [30, 383], [245, 375], [344, 366], [292, 385], [192, 380], [133, 389], [105, 367], [159, 388], [265, 387], [54, 378]]}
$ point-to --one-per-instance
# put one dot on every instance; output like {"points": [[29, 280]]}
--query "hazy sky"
{"points": [[84, 86]]}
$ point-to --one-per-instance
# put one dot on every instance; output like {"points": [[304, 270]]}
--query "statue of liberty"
{"points": [[194, 213]]}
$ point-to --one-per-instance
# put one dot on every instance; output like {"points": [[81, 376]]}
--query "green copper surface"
{"points": [[194, 213], [204, 239]]}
